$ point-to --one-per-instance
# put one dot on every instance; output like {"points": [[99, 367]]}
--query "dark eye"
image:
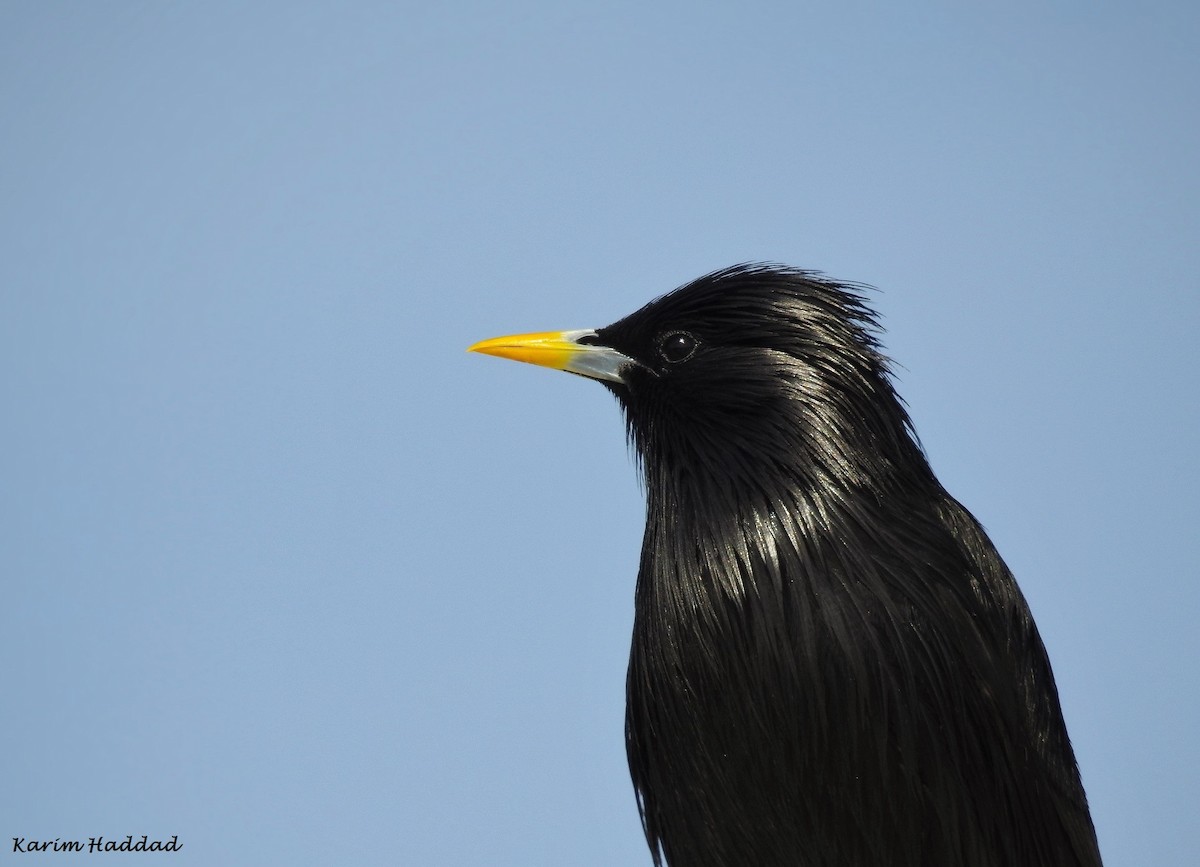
{"points": [[677, 346]]}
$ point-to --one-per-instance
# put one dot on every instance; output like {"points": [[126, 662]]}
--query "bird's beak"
{"points": [[561, 350]]}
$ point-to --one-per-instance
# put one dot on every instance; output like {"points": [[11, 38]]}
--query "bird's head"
{"points": [[747, 368]]}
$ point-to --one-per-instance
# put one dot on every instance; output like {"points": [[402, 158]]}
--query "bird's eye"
{"points": [[677, 346]]}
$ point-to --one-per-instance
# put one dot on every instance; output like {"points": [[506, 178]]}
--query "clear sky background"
{"points": [[287, 573]]}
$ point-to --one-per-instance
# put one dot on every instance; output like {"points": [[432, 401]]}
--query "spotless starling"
{"points": [[831, 665]]}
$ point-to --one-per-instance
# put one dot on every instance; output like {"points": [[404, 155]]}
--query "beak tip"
{"points": [[485, 347]]}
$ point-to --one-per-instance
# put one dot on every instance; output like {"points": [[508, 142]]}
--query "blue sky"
{"points": [[290, 575]]}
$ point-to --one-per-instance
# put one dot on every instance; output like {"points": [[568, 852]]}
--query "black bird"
{"points": [[831, 665]]}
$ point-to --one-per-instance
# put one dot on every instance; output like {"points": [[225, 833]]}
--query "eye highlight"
{"points": [[677, 346]]}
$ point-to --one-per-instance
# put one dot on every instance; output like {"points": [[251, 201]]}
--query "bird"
{"points": [[830, 662]]}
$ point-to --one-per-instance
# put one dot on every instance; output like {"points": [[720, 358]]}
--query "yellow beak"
{"points": [[560, 350]]}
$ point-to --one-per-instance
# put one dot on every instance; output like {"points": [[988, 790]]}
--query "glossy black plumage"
{"points": [[831, 665]]}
